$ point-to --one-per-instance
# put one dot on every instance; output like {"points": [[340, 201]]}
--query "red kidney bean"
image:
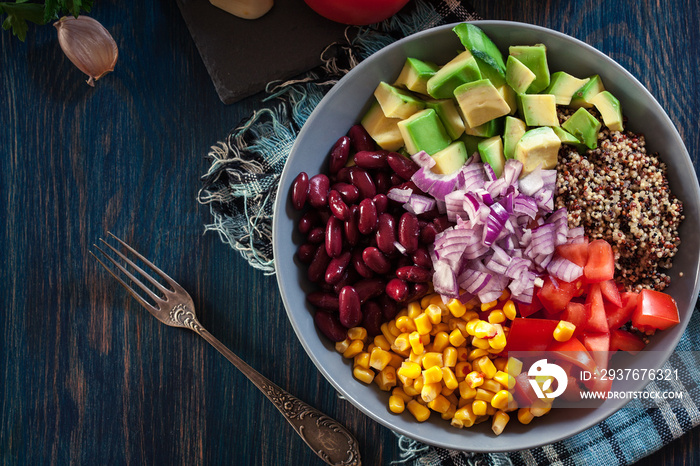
{"points": [[306, 252], [359, 265], [418, 291], [389, 307], [413, 273], [364, 183], [348, 192], [402, 261], [369, 288], [376, 260], [352, 232], [409, 185], [397, 289], [316, 235], [319, 264], [319, 185], [349, 310], [338, 207], [408, 232], [307, 221], [373, 160], [422, 258], [334, 237], [300, 189], [402, 166], [428, 233], [396, 180], [367, 222], [343, 175], [339, 155], [382, 181], [442, 223], [323, 300], [360, 138], [386, 233], [336, 267], [350, 276], [381, 202], [372, 318], [329, 324]]}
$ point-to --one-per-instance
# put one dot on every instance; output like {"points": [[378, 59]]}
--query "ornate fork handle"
{"points": [[330, 440]]}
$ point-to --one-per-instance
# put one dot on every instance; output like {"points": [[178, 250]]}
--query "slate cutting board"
{"points": [[242, 56]]}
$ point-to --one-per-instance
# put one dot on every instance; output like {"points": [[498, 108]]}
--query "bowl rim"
{"points": [[282, 200]]}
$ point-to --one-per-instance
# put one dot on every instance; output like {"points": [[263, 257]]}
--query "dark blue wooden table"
{"points": [[87, 376]]}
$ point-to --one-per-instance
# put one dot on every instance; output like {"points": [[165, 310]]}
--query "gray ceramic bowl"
{"points": [[343, 106]]}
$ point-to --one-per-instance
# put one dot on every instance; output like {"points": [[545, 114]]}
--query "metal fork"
{"points": [[330, 440]]}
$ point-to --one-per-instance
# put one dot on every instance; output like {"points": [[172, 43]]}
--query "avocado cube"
{"points": [[535, 58], [450, 159], [480, 102], [583, 96], [461, 69], [563, 86], [486, 130], [448, 113], [610, 110], [415, 74], [539, 109], [538, 147], [496, 77], [584, 126], [565, 137], [513, 131], [384, 131], [509, 96], [395, 102], [471, 143], [491, 152], [424, 131], [518, 76], [480, 45]]}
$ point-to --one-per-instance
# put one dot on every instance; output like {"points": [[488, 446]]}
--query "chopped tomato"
{"points": [[598, 345], [655, 310], [625, 341], [597, 321], [526, 310], [530, 334], [610, 292], [600, 265], [556, 294], [577, 313], [575, 252], [619, 315], [573, 351], [523, 392]]}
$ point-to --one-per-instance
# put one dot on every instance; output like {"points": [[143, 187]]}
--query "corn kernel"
{"points": [[354, 349], [490, 410], [470, 315], [386, 379], [394, 329], [484, 329], [498, 342], [379, 359], [425, 301], [439, 327], [423, 324], [357, 333], [482, 418], [387, 334], [411, 391], [540, 407], [491, 385], [474, 379], [416, 343], [500, 363], [462, 354], [434, 313], [401, 343], [456, 307], [504, 295], [396, 404], [449, 357], [363, 375], [418, 383], [432, 359], [342, 346], [449, 379], [514, 367], [420, 412], [564, 331], [462, 369], [466, 391], [446, 391], [487, 306], [465, 416], [362, 360], [505, 379], [436, 300], [440, 341], [439, 404], [525, 416], [430, 391], [471, 326], [398, 391], [500, 419], [370, 347], [432, 375], [405, 324], [401, 313], [479, 407], [485, 366], [496, 317], [450, 413], [509, 310], [481, 343], [502, 400], [484, 395], [456, 338], [409, 369], [417, 358]]}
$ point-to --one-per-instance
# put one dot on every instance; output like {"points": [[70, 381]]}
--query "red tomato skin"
{"points": [[526, 310], [556, 294], [597, 321], [575, 252], [578, 314], [522, 391], [600, 265], [598, 345], [530, 334], [356, 12], [625, 341], [573, 351], [655, 309], [619, 316], [610, 292]]}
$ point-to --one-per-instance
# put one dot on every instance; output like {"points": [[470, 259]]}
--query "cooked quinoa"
{"points": [[619, 192]]}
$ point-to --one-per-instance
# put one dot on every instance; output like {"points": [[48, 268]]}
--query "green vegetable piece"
{"points": [[448, 113], [514, 130], [583, 96], [490, 73], [491, 152], [471, 143], [488, 129], [395, 102], [539, 109], [424, 131], [538, 147], [610, 110], [384, 131], [518, 76], [481, 46], [535, 58], [584, 126], [563, 86], [480, 102], [565, 137], [510, 96], [415, 74], [450, 159], [461, 69]]}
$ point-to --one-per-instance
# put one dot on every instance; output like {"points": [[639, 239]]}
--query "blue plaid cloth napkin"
{"points": [[240, 188]]}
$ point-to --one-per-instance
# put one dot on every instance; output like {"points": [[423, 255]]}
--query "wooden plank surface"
{"points": [[87, 377]]}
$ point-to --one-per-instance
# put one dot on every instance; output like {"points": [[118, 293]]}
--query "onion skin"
{"points": [[88, 45]]}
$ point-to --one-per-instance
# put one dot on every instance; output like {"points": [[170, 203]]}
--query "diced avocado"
{"points": [[509, 96], [584, 126], [461, 69], [488, 129], [424, 131], [518, 76], [480, 102], [538, 147], [384, 131], [395, 102], [415, 74], [491, 152], [480, 45], [446, 110], [489, 72], [583, 96], [471, 143], [450, 159], [514, 130], [539, 109], [563, 86], [609, 108], [535, 58], [566, 137]]}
